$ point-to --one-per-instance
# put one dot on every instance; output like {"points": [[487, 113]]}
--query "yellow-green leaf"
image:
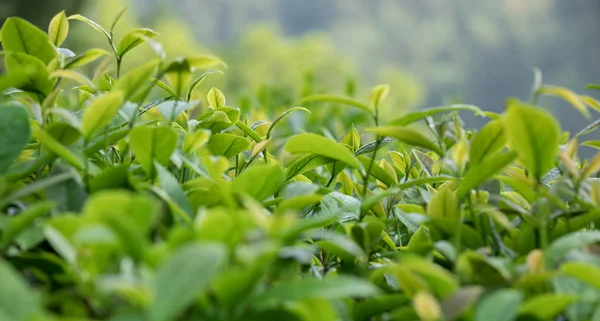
{"points": [[592, 143], [86, 58], [407, 136], [215, 98], [546, 306], [484, 171], [444, 204], [378, 94], [259, 182], [534, 134], [205, 62], [490, 139], [337, 100], [90, 23], [101, 112], [133, 39], [131, 82], [591, 102], [568, 95], [422, 113], [73, 75], [20, 36], [58, 29], [318, 145]]}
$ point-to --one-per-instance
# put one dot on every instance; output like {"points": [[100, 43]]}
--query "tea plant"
{"points": [[125, 199]]}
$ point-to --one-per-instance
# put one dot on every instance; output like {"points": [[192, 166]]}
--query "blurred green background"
{"points": [[431, 52]]}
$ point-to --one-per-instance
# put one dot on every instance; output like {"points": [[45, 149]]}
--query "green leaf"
{"points": [[37, 78], [377, 171], [72, 75], [460, 301], [133, 39], [444, 204], [484, 171], [535, 135], [175, 192], [337, 100], [20, 36], [14, 134], [215, 98], [375, 306], [205, 62], [421, 114], [132, 81], [378, 94], [546, 306], [502, 305], [59, 149], [183, 277], [282, 116], [116, 19], [153, 144], [86, 58], [585, 272], [198, 81], [37, 186], [17, 301], [592, 143], [90, 23], [64, 133], [489, 139], [170, 109], [227, 145], [568, 95], [560, 247], [315, 144], [260, 181], [22, 221], [58, 29], [332, 288], [407, 136], [101, 112], [248, 131]]}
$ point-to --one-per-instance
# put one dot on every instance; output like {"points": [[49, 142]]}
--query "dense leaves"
{"points": [[138, 194]]}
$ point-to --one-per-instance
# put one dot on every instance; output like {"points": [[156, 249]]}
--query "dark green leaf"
{"points": [[14, 134]]}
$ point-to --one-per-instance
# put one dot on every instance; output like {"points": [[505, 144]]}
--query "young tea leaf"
{"points": [[260, 181], [20, 36], [337, 100], [86, 58], [423, 113], [407, 136], [153, 144], [133, 39], [490, 139], [534, 134], [58, 29], [101, 112], [319, 145], [215, 98], [227, 145]]}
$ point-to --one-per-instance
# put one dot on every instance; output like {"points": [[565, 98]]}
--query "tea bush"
{"points": [[124, 199]]}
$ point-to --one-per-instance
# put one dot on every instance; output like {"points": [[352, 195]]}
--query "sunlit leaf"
{"points": [[58, 29]]}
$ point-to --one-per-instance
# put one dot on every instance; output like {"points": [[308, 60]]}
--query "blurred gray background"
{"points": [[473, 51]]}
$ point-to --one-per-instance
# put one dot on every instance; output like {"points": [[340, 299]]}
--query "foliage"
{"points": [[126, 197]]}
